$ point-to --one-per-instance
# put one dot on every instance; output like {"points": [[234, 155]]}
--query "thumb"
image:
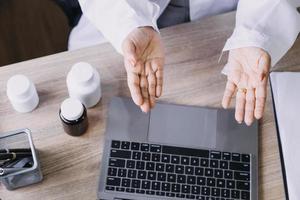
{"points": [[263, 66], [129, 51]]}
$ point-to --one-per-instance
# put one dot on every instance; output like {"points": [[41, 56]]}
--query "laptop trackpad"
{"points": [[183, 126]]}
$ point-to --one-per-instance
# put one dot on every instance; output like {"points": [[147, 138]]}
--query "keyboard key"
{"points": [[200, 197], [155, 157], [125, 182], [132, 173], [208, 172], [226, 156], [201, 181], [150, 192], [130, 164], [145, 147], [146, 185], [112, 171], [146, 156], [225, 193], [142, 175], [221, 183], [179, 169], [205, 191], [245, 158], [223, 164], [216, 192], [175, 188], [140, 165], [115, 144], [215, 155], [218, 173], [170, 168], [211, 182], [180, 195], [120, 154], [235, 194], [160, 167], [171, 178], [120, 189], [199, 171], [236, 157], [243, 185], [140, 191], [189, 170], [125, 145], [136, 183], [186, 189], [166, 187], [111, 188], [239, 166], [159, 193], [150, 166], [155, 148], [161, 176], [175, 159], [135, 146], [204, 162], [170, 194], [113, 181], [191, 180], [228, 174], [245, 195], [136, 155], [185, 160], [122, 172], [181, 179], [155, 185], [130, 190], [116, 162], [230, 184], [165, 158], [214, 163], [151, 176], [195, 190], [242, 176], [195, 161], [185, 151]]}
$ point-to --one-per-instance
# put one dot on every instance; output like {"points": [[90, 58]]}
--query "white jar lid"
{"points": [[82, 73], [19, 87], [71, 109]]}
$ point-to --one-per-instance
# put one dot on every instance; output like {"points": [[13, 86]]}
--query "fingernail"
{"points": [[239, 122]]}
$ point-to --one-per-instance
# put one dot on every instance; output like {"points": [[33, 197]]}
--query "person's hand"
{"points": [[247, 74], [144, 60]]}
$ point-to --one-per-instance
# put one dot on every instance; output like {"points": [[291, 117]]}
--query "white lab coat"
{"points": [[272, 25]]}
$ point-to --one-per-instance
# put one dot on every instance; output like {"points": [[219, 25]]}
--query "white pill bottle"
{"points": [[83, 82]]}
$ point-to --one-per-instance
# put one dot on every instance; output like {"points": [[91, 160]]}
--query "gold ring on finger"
{"points": [[242, 90]]}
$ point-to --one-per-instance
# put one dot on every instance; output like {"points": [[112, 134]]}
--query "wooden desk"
{"points": [[192, 76]]}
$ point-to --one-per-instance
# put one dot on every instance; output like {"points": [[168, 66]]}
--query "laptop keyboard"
{"points": [[168, 171]]}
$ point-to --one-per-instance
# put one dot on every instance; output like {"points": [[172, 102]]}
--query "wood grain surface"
{"points": [[192, 76]]}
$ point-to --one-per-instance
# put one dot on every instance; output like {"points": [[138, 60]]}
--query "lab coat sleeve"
{"points": [[272, 25], [116, 19]]}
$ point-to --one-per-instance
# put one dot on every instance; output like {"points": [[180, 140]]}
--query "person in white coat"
{"points": [[264, 31]]}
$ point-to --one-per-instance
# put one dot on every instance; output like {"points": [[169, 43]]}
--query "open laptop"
{"points": [[177, 152]]}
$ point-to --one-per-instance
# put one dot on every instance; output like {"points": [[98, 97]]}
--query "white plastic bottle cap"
{"points": [[71, 109], [83, 82], [83, 73], [22, 93]]}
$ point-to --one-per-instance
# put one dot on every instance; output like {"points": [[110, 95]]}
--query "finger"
{"points": [[129, 51], [260, 95], [157, 66], [145, 107], [228, 93], [240, 106], [133, 81], [249, 108], [151, 79]]}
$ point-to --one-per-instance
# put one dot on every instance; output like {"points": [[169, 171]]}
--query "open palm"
{"points": [[144, 60]]}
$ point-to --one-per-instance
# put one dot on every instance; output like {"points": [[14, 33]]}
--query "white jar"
{"points": [[22, 93], [83, 82]]}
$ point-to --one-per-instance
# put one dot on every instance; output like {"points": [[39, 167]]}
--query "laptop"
{"points": [[177, 152]]}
